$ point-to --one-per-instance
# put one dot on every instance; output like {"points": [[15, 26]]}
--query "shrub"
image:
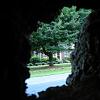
{"points": [[29, 64], [35, 59], [44, 59]]}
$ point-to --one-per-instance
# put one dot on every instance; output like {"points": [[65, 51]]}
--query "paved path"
{"points": [[38, 84]]}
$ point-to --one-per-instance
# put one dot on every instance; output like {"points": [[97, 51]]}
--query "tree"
{"points": [[47, 40], [52, 37]]}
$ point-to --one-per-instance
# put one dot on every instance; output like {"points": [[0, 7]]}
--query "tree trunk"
{"points": [[49, 54], [50, 59]]}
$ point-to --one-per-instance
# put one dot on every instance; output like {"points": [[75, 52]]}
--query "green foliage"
{"points": [[63, 29], [60, 33], [35, 59], [29, 64], [44, 59], [71, 21]]}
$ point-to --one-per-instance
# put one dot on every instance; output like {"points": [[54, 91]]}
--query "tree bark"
{"points": [[50, 59]]}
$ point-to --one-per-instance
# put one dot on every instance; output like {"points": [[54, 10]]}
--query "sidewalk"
{"points": [[43, 79]]}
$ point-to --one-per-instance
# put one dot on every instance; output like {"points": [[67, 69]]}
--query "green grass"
{"points": [[44, 70]]}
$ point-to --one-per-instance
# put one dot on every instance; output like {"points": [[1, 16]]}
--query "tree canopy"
{"points": [[55, 36]]}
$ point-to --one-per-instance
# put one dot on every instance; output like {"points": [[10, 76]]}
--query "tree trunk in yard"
{"points": [[50, 59]]}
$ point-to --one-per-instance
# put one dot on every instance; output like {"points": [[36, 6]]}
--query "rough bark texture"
{"points": [[18, 20], [85, 57]]}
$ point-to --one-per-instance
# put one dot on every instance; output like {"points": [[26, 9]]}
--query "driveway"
{"points": [[38, 84]]}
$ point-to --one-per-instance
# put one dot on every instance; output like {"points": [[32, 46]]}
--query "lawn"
{"points": [[44, 70]]}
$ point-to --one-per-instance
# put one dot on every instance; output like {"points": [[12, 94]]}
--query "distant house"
{"points": [[59, 55]]}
